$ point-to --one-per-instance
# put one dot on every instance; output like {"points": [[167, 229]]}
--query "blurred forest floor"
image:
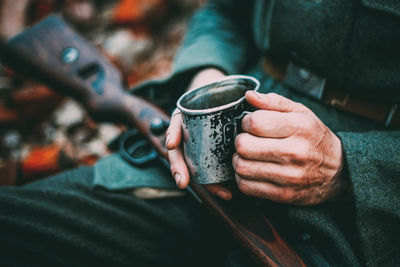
{"points": [[43, 133]]}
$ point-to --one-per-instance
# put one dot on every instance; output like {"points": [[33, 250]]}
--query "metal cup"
{"points": [[211, 118]]}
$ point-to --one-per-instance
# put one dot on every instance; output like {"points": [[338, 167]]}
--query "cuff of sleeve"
{"points": [[113, 173], [208, 53], [374, 169], [372, 165], [165, 92]]}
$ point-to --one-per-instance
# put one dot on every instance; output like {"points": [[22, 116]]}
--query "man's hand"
{"points": [[286, 154], [174, 138]]}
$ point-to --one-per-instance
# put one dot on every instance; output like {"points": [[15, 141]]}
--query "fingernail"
{"points": [[223, 194], [178, 179], [167, 140]]}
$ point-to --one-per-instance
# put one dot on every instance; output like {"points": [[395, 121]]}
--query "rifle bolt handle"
{"points": [[158, 126]]}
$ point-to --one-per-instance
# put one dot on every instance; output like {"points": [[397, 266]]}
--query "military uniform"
{"points": [[352, 45]]}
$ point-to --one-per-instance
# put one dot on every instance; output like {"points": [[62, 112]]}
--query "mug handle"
{"points": [[231, 129]]}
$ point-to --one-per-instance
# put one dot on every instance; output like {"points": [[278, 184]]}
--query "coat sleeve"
{"points": [[373, 165], [220, 36]]}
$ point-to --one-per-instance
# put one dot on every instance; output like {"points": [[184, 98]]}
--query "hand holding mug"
{"points": [[174, 139], [286, 154]]}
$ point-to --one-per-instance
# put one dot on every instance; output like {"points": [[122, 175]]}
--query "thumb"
{"points": [[274, 102]]}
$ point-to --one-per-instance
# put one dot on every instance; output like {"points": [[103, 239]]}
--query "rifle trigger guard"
{"points": [[135, 149]]}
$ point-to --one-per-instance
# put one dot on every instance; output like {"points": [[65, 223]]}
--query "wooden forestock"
{"points": [[51, 52]]}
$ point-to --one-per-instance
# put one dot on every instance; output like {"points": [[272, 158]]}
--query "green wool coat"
{"points": [[353, 43], [88, 217]]}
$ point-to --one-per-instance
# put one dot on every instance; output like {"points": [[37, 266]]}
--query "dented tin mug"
{"points": [[211, 117]]}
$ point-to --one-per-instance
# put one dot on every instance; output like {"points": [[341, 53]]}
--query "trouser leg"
{"points": [[64, 220]]}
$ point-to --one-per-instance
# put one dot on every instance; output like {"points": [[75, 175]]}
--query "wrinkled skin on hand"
{"points": [[285, 154]]}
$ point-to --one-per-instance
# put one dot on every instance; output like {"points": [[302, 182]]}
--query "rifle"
{"points": [[52, 53]]}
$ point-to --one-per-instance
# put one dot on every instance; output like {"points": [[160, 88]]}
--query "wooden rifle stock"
{"points": [[51, 52]]}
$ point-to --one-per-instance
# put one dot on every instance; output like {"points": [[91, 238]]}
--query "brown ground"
{"points": [[41, 132]]}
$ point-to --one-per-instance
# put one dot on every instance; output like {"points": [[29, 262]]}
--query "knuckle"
{"points": [[241, 144], [259, 172], [253, 121], [288, 195], [306, 149], [298, 198], [280, 101], [302, 152], [274, 98], [240, 166], [302, 107], [239, 181], [242, 185], [175, 162], [306, 124], [292, 180], [298, 175]]}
